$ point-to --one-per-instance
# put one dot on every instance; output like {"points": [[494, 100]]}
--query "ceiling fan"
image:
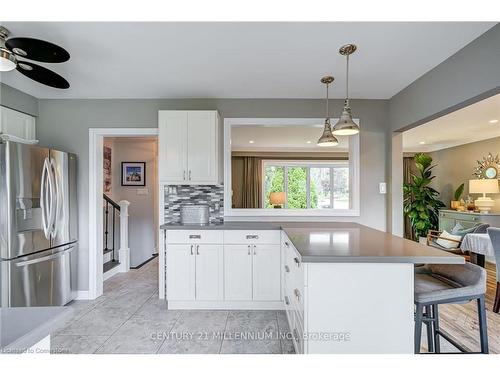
{"points": [[33, 49]]}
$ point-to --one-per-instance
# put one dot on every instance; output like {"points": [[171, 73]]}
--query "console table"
{"points": [[449, 218]]}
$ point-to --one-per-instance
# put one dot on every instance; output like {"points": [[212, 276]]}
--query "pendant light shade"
{"points": [[327, 139], [345, 125]]}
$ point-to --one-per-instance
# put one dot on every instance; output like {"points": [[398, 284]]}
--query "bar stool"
{"points": [[437, 284]]}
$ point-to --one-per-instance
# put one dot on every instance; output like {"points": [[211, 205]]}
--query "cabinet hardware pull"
{"points": [[297, 294], [252, 237], [248, 249], [195, 236], [287, 269], [287, 300], [254, 252], [189, 175], [197, 249], [297, 261], [184, 175], [192, 249], [287, 244]]}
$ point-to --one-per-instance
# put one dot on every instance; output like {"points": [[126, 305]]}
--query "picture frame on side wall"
{"points": [[133, 173]]}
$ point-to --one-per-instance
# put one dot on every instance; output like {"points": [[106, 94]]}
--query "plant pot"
{"points": [[422, 240], [454, 205]]}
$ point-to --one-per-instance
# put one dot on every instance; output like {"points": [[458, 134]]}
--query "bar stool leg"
{"points": [[419, 310], [435, 314], [496, 307], [483, 330], [429, 328]]}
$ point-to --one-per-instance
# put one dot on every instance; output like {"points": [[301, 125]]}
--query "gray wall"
{"points": [[64, 124], [18, 100], [469, 75], [456, 164]]}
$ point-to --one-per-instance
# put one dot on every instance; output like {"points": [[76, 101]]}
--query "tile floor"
{"points": [[129, 318]]}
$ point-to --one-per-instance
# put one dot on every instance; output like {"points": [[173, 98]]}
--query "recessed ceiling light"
{"points": [[422, 142], [250, 141], [494, 121], [308, 142]]}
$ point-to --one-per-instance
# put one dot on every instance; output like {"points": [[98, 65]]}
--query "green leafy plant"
{"points": [[421, 203], [459, 192]]}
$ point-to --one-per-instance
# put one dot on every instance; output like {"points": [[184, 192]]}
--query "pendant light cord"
{"points": [[327, 111], [347, 80]]}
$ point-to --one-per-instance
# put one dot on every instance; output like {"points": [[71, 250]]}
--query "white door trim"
{"points": [[96, 141]]}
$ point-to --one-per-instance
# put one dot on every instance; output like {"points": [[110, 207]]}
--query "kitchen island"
{"points": [[346, 288]]}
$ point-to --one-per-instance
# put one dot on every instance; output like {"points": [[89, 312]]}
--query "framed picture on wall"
{"points": [[133, 173], [107, 169]]}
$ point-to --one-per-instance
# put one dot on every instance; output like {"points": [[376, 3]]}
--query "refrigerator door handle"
{"points": [[45, 258], [54, 206], [43, 198]]}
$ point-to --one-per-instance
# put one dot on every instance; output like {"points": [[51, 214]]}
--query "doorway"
{"points": [[131, 144]]}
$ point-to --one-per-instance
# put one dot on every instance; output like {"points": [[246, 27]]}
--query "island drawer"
{"points": [[252, 237], [195, 236]]}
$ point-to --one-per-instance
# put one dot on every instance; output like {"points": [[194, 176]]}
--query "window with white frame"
{"points": [[304, 184]]}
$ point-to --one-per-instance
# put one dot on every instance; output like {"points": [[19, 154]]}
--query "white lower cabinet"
{"points": [[194, 272], [209, 277], [266, 272], [237, 273], [180, 272]]}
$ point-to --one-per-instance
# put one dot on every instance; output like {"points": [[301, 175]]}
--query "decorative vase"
{"points": [[454, 205]]}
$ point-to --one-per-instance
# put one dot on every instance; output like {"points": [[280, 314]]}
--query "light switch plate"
{"points": [[382, 188], [143, 191]]}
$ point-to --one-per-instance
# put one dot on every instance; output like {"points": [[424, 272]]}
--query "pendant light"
{"points": [[327, 139], [345, 125]]}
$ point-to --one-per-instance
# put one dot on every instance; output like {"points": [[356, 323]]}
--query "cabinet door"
{"points": [[238, 273], [180, 272], [209, 272], [202, 147], [266, 272], [17, 123], [172, 146]]}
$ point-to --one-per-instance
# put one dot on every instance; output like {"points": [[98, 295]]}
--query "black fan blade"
{"points": [[43, 75], [38, 50]]}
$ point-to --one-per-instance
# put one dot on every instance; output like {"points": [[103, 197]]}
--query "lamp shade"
{"points": [[483, 186], [277, 198]]}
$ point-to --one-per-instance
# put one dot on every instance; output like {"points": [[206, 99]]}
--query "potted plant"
{"points": [[458, 195], [421, 203]]}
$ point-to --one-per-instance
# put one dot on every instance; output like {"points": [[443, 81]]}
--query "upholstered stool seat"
{"points": [[440, 284]]}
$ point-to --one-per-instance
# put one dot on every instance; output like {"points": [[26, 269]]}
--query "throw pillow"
{"points": [[444, 238]]}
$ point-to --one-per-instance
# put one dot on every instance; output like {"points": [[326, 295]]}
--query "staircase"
{"points": [[115, 236]]}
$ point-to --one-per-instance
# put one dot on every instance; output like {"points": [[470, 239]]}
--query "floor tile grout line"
{"points": [[224, 333], [121, 325], [171, 328], [279, 332]]}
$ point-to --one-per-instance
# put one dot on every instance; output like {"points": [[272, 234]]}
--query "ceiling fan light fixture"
{"points": [[7, 60]]}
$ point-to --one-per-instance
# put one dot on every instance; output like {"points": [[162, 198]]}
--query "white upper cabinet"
{"points": [[189, 147], [17, 124]]}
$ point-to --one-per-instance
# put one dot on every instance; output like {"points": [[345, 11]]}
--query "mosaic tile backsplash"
{"points": [[178, 195]]}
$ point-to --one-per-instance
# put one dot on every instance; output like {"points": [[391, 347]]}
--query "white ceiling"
{"points": [[467, 125], [282, 139], [240, 60]]}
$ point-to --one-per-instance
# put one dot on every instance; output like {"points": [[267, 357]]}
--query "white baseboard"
{"points": [[226, 305], [112, 272], [82, 294]]}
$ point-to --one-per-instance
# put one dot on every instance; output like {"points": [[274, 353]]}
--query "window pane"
{"points": [[320, 188], [341, 188], [297, 180], [274, 181]]}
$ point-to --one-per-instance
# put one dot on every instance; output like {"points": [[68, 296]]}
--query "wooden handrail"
{"points": [[111, 202]]}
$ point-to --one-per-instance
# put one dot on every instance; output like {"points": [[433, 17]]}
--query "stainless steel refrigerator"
{"points": [[38, 225]]}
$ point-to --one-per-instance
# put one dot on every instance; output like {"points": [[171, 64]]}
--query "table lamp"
{"points": [[277, 199], [484, 186]]}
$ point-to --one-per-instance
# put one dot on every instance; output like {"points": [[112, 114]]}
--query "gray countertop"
{"points": [[23, 327], [341, 242]]}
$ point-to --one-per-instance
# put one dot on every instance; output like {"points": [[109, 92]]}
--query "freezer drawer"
{"points": [[42, 279]]}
